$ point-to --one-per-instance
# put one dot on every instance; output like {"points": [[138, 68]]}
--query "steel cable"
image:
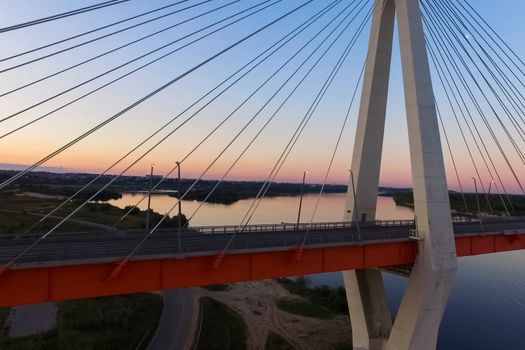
{"points": [[97, 6], [443, 78], [144, 65], [92, 31], [171, 209], [136, 103], [93, 58], [148, 96], [67, 200], [98, 38], [128, 62]]}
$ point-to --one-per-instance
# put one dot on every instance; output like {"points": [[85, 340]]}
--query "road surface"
{"points": [[63, 247], [173, 331]]}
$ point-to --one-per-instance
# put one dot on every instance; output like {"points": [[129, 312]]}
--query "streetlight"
{"points": [[488, 197], [355, 204], [179, 217], [301, 199], [149, 197], [477, 200], [503, 201]]}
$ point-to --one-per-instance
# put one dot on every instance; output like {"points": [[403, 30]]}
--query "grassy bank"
{"points": [[458, 205], [220, 327], [4, 312], [18, 212], [303, 308], [331, 299], [118, 322]]}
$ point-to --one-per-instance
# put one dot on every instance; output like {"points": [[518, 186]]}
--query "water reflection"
{"points": [[271, 210]]}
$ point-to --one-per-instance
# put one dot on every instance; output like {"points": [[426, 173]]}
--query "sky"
{"points": [[313, 149]]}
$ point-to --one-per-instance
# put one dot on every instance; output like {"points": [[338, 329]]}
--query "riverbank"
{"points": [[467, 204], [20, 210], [66, 184], [118, 322], [257, 304]]}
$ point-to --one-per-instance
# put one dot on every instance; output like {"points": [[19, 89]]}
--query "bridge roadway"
{"points": [[85, 265], [64, 248]]}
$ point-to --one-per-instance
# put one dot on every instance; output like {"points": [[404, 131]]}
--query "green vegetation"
{"points": [[68, 190], [231, 192], [332, 299], [275, 342], [46, 341], [458, 205], [217, 287], [4, 312], [18, 212], [66, 184], [118, 322], [220, 327], [304, 308]]}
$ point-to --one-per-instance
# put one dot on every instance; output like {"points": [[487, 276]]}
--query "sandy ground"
{"points": [[31, 319], [255, 301]]}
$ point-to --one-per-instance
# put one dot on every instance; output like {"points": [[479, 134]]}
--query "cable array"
{"points": [[471, 79], [61, 15], [480, 78], [45, 46]]}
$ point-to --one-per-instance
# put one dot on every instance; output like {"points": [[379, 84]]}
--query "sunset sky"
{"points": [[312, 151]]}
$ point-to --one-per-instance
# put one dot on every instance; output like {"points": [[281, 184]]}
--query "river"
{"points": [[486, 309]]}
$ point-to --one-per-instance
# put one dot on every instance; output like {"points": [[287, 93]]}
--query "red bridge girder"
{"points": [[58, 283]]}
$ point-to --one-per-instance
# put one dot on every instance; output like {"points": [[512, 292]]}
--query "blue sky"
{"points": [[101, 149]]}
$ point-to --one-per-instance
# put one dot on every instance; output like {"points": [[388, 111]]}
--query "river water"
{"points": [[486, 310]]}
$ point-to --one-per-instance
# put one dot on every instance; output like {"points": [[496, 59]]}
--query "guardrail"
{"points": [[285, 226], [66, 246], [236, 229]]}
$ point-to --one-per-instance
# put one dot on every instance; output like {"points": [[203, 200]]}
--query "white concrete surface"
{"points": [[369, 313], [417, 323], [31, 319]]}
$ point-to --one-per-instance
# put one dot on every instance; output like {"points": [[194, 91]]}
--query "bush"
{"points": [[221, 327], [303, 308], [333, 299], [275, 342]]}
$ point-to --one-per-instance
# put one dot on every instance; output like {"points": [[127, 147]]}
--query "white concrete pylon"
{"points": [[417, 323], [369, 313]]}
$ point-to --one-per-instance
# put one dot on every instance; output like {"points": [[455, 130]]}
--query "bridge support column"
{"points": [[433, 274], [369, 313], [430, 282]]}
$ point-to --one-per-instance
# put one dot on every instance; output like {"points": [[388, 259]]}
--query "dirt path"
{"points": [[255, 302]]}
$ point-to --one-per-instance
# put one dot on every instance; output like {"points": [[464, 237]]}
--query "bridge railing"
{"points": [[285, 226], [66, 246], [255, 228]]}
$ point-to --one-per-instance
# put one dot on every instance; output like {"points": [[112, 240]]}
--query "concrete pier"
{"points": [[430, 282]]}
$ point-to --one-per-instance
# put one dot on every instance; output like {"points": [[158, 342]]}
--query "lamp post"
{"points": [[355, 204], [149, 196], [488, 198], [503, 200], [477, 200], [301, 200], [179, 216]]}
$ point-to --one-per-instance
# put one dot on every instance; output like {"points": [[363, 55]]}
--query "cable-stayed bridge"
{"points": [[335, 245], [476, 105]]}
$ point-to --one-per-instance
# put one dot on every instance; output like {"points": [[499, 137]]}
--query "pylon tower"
{"points": [[432, 276]]}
